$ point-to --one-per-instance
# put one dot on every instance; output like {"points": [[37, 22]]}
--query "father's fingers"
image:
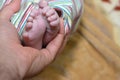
{"points": [[10, 9]]}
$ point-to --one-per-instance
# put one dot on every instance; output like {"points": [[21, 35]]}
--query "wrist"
{"points": [[7, 73]]}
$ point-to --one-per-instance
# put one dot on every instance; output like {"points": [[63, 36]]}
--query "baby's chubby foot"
{"points": [[34, 30], [53, 21]]}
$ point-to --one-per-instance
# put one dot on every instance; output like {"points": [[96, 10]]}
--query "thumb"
{"points": [[10, 9]]}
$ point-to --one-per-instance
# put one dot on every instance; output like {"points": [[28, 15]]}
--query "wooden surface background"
{"points": [[90, 54]]}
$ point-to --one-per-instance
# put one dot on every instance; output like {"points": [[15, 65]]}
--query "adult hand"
{"points": [[16, 61]]}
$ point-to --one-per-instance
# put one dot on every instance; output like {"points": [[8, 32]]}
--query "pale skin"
{"points": [[42, 26], [17, 61]]}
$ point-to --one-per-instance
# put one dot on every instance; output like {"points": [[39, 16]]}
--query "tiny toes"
{"points": [[50, 13], [34, 13], [43, 4], [28, 26], [45, 9], [55, 23], [52, 18], [30, 19]]}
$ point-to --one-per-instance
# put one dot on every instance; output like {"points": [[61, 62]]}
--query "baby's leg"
{"points": [[34, 30], [53, 21]]}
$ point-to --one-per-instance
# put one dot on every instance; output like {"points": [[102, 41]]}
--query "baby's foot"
{"points": [[53, 21], [34, 30]]}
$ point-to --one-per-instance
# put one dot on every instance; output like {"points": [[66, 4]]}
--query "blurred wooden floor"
{"points": [[90, 54]]}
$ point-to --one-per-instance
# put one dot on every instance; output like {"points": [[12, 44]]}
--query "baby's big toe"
{"points": [[34, 13], [43, 4], [25, 37]]}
